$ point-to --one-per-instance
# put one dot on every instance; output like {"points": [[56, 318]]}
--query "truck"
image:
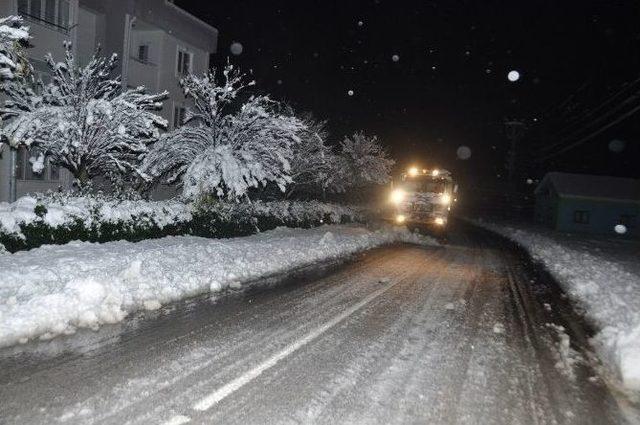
{"points": [[423, 198]]}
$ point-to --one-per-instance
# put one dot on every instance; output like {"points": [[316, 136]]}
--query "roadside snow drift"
{"points": [[56, 289], [604, 282]]}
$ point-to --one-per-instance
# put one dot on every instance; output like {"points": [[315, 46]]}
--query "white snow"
{"points": [[620, 229], [498, 328], [513, 76], [63, 209], [603, 276], [56, 289], [84, 120]]}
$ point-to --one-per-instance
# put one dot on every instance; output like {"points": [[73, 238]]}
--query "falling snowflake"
{"points": [[360, 23], [236, 48], [395, 58], [463, 152], [617, 145], [279, 82], [513, 76], [529, 181], [350, 92], [620, 229]]}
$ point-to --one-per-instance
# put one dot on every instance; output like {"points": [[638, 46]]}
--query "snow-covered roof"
{"points": [[590, 186]]}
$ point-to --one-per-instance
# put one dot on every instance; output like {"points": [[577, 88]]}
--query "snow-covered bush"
{"points": [[83, 120], [12, 34], [222, 150], [59, 218], [311, 163], [362, 161]]}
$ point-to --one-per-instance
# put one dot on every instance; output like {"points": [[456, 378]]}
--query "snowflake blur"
{"points": [[513, 76], [463, 152], [236, 48]]}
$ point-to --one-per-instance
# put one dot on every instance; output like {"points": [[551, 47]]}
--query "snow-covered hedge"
{"points": [[60, 218]]}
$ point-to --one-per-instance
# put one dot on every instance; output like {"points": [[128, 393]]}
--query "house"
{"points": [[588, 203], [157, 42]]}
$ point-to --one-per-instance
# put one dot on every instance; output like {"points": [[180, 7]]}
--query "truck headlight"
{"points": [[397, 196], [445, 199]]}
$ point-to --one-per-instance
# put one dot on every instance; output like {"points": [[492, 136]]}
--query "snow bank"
{"points": [[56, 289], [60, 218], [604, 281], [62, 209]]}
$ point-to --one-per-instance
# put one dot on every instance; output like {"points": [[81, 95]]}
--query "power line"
{"points": [[589, 113], [592, 135]]}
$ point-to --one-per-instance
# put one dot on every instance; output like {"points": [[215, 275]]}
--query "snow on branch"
{"points": [[12, 33], [362, 161], [222, 151], [311, 163], [83, 120]]}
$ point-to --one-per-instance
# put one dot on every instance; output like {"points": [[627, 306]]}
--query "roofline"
{"points": [[598, 198], [190, 16]]}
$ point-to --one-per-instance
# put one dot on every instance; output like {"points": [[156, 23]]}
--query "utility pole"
{"points": [[13, 164], [514, 130]]}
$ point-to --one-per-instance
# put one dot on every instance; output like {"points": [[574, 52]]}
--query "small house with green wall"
{"points": [[588, 204]]}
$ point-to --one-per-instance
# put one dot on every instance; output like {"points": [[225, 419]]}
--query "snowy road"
{"points": [[402, 334]]}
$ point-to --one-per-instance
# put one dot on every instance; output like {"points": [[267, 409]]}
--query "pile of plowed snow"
{"points": [[56, 289]]}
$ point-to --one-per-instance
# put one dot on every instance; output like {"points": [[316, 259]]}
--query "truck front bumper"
{"points": [[434, 220]]}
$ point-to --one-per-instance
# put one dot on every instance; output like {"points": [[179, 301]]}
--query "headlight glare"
{"points": [[397, 196]]}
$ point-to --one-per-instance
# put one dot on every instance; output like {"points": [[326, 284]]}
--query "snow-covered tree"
{"points": [[12, 34], [362, 161], [83, 120], [312, 159], [224, 150]]}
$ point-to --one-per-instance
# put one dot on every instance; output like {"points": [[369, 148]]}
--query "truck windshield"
{"points": [[424, 185]]}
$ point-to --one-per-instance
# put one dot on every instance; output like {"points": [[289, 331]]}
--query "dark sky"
{"points": [[449, 87]]}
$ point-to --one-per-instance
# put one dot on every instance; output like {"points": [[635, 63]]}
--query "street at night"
{"points": [[400, 334], [319, 212]]}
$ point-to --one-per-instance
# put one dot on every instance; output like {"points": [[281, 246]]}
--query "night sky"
{"points": [[449, 86]]}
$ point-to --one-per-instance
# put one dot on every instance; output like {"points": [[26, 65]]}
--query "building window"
{"points": [[178, 116], [184, 62], [24, 167], [581, 217], [53, 13], [143, 53]]}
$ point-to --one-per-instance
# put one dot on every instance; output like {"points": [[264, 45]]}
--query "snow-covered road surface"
{"points": [[403, 334]]}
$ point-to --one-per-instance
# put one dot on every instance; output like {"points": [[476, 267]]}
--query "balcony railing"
{"points": [[144, 62], [45, 22]]}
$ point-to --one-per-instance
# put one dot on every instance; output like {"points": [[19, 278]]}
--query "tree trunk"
{"points": [[82, 178]]}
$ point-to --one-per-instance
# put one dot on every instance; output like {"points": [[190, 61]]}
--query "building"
{"points": [[587, 203], [157, 42]]}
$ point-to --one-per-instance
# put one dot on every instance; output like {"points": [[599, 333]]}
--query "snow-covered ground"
{"points": [[56, 289], [603, 276]]}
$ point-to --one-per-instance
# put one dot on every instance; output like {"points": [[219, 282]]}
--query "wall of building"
{"points": [[546, 206], [104, 23], [603, 215], [45, 39]]}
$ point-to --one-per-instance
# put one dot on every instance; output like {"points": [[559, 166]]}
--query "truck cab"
{"points": [[423, 197]]}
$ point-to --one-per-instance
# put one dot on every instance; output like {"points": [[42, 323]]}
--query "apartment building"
{"points": [[157, 42]]}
